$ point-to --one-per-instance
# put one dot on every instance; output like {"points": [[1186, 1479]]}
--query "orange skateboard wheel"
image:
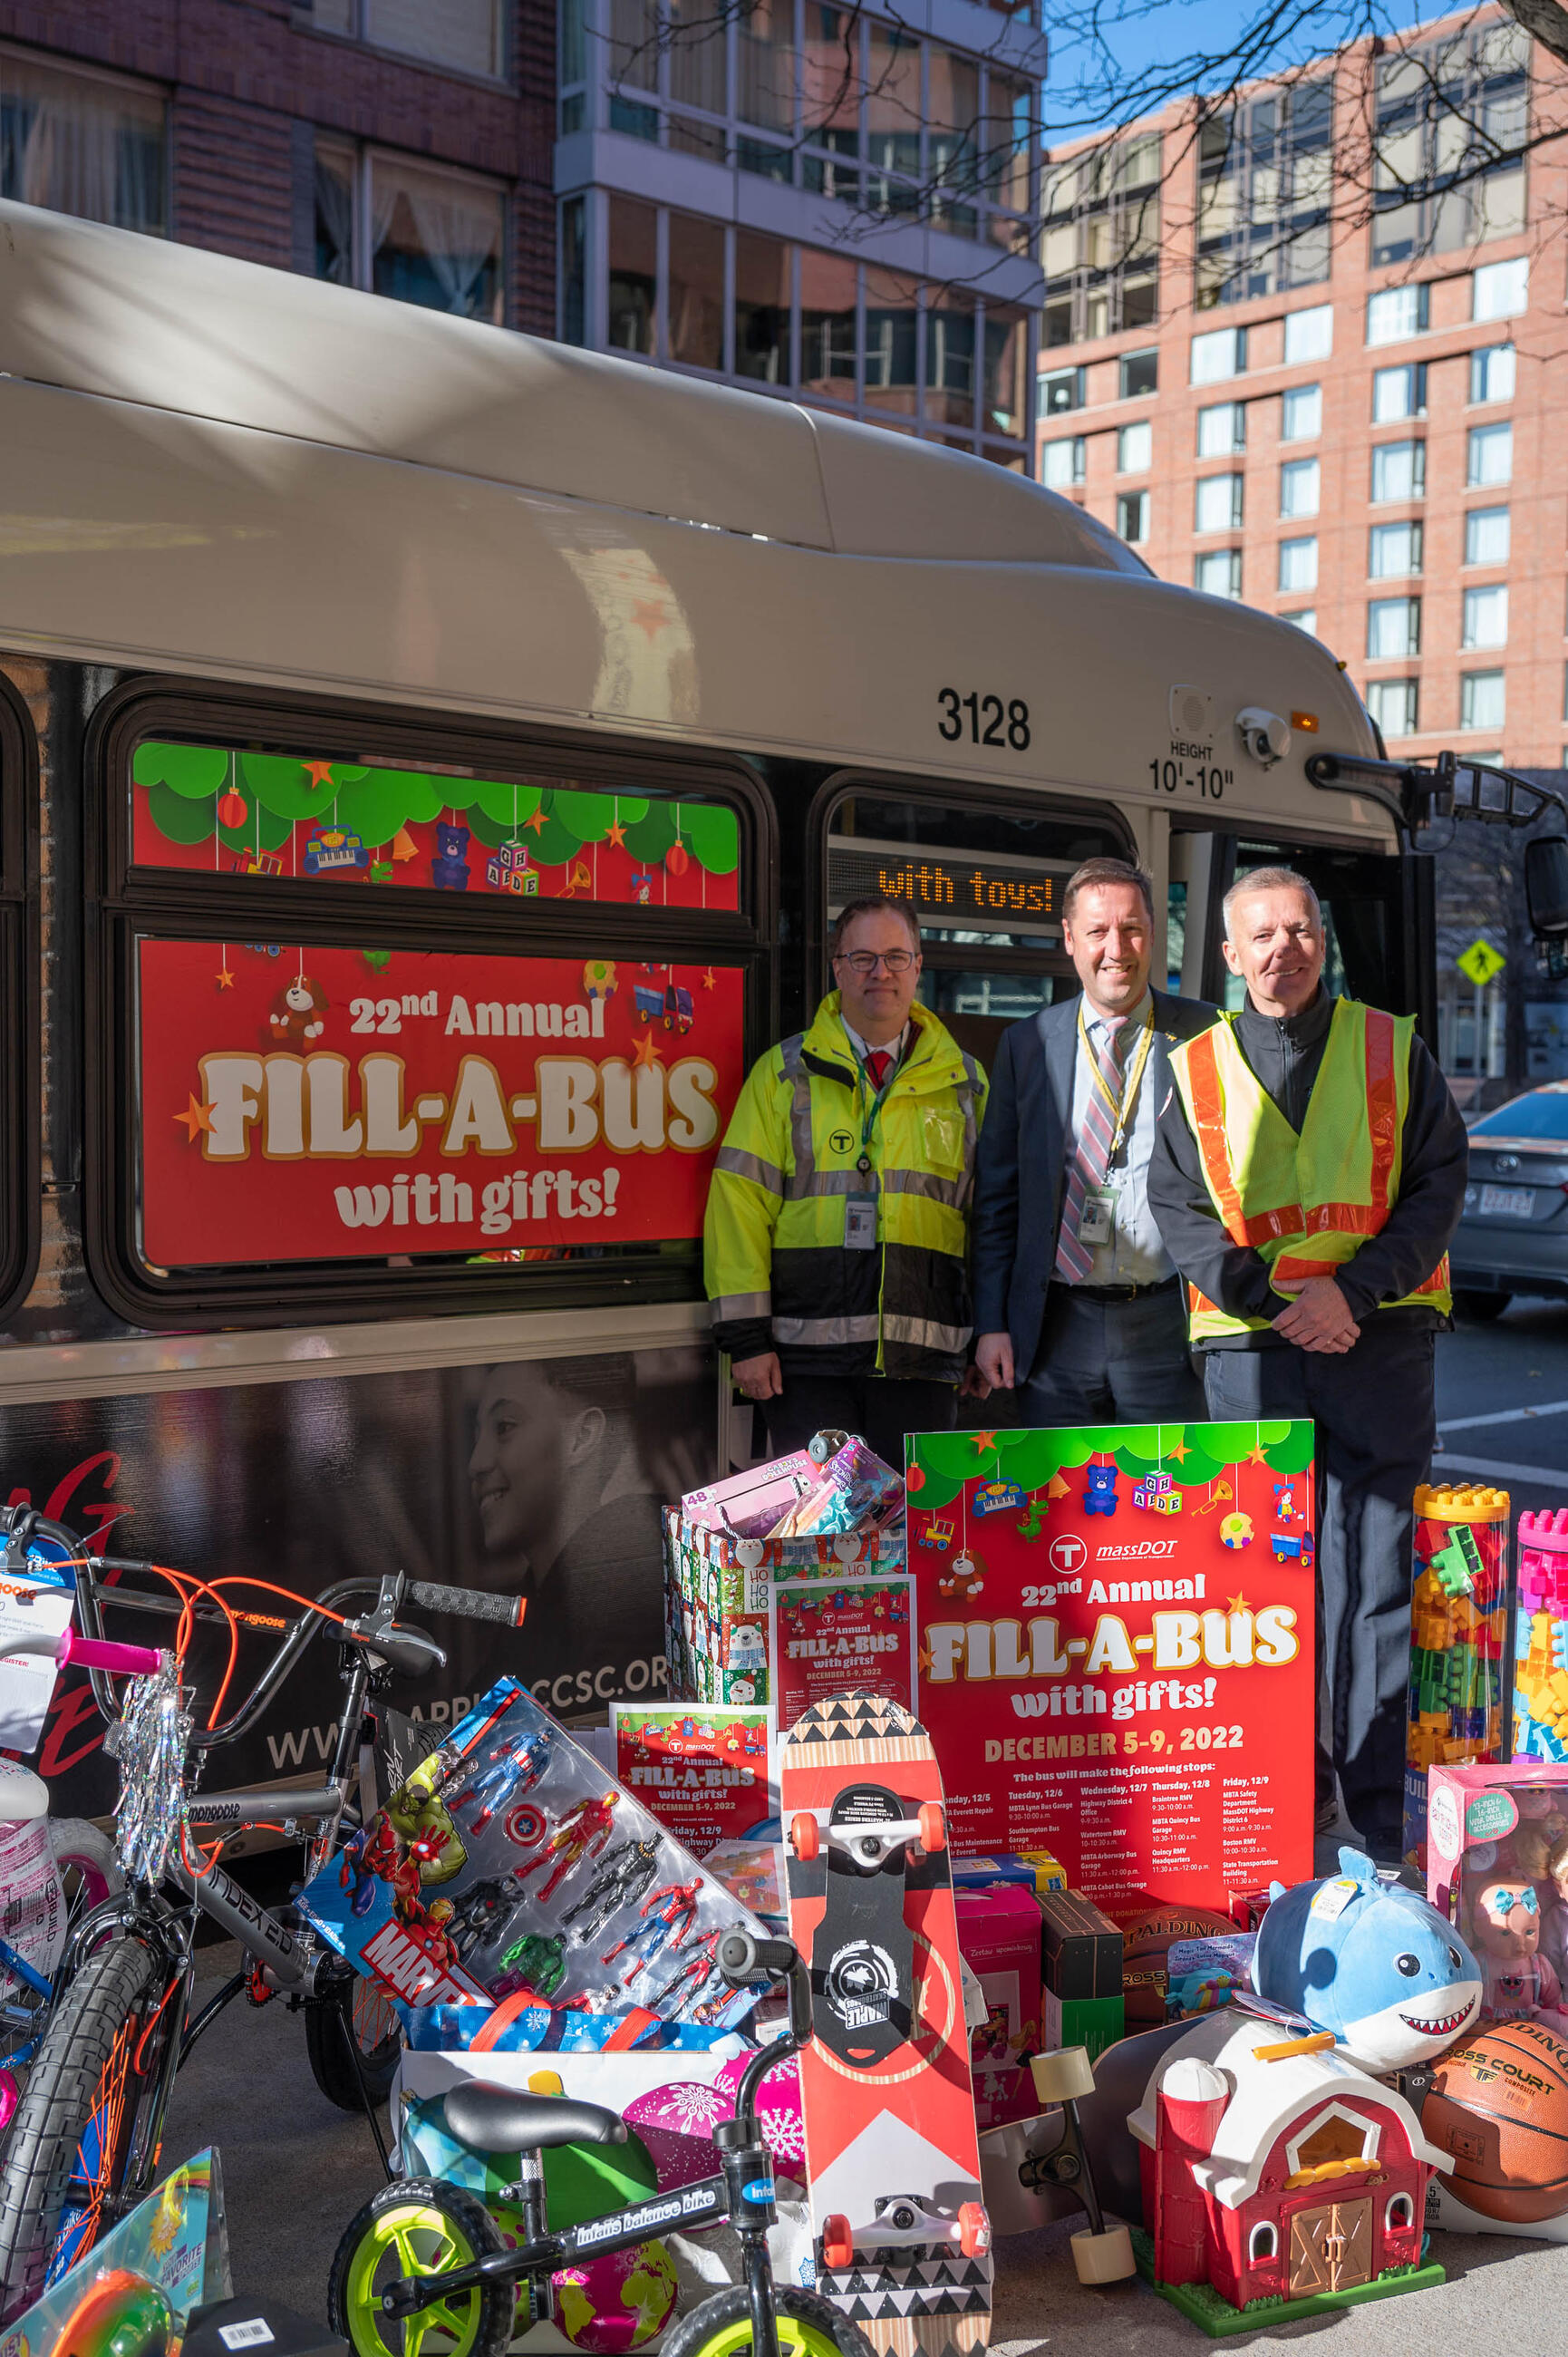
{"points": [[933, 1827], [973, 2230], [805, 1835], [838, 2242]]}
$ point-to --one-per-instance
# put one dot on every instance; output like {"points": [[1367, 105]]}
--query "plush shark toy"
{"points": [[1370, 1961]]}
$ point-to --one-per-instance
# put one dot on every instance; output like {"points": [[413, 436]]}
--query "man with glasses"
{"points": [[836, 1242]]}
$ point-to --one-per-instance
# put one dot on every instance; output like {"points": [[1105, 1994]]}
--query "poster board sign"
{"points": [[827, 1635], [1116, 1657], [704, 1768], [306, 1108]]}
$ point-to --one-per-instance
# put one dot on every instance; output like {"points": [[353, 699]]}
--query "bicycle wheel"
{"points": [[360, 2010], [73, 2137], [809, 2325], [88, 1863], [417, 2227]]}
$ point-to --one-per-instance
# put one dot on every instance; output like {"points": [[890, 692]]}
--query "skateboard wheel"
{"points": [[805, 1835], [838, 2242], [973, 2230], [933, 1827], [1103, 2258], [1064, 2076]]}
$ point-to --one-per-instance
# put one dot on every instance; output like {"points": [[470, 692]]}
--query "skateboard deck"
{"points": [[891, 2143]]}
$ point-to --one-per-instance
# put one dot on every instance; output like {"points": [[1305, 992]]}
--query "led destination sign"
{"points": [[953, 889]]}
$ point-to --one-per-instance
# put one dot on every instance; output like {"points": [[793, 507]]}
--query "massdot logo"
{"points": [[841, 1141], [1068, 1553]]}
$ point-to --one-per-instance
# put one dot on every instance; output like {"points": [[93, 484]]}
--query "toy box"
{"points": [[718, 1593], [1028, 1869], [512, 1864], [1459, 1639], [1540, 1639], [999, 1938], [1082, 2003], [1491, 1817]]}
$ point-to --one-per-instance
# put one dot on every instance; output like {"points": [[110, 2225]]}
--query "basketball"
{"points": [[1499, 2104], [1145, 1943]]}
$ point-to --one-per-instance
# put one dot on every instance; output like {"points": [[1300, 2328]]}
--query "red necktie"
{"points": [[878, 1064]]}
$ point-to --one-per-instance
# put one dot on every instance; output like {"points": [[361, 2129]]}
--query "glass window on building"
{"points": [[573, 271], [1007, 349], [1487, 536], [1491, 374], [1488, 455], [765, 65], [1100, 249], [1449, 162], [1483, 700], [1485, 616], [1394, 706], [1061, 391], [949, 357], [435, 238], [1135, 448], [1393, 550], [1062, 463], [1304, 618], [1265, 171], [1140, 374], [1309, 335], [1500, 290], [953, 140], [1216, 503], [1299, 482], [832, 79], [1397, 312], [828, 337], [1133, 516], [1399, 471], [695, 293], [631, 326], [1218, 354], [467, 36], [1009, 131], [85, 144], [1399, 393], [1393, 629], [1301, 414], [1298, 565], [893, 113], [1221, 429], [1218, 572], [891, 341], [762, 270]]}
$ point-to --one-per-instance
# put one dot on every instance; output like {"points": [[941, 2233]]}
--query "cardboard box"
{"points": [[1081, 1956], [999, 1937], [1028, 1869], [718, 1590]]}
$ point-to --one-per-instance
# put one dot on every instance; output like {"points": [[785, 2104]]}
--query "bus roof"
{"points": [[176, 327]]}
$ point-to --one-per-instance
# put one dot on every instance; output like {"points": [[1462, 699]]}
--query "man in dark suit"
{"points": [[1077, 1305]]}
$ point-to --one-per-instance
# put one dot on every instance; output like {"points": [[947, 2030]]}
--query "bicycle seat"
{"points": [[501, 2119]]}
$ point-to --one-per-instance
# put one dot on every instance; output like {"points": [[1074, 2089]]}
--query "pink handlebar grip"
{"points": [[96, 1654]]}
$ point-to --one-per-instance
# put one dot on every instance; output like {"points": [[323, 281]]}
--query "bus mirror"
{"points": [[1546, 885]]}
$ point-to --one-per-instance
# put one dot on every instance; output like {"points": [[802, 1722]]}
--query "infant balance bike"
{"points": [[428, 2259]]}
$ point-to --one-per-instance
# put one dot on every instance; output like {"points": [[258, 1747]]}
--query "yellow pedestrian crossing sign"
{"points": [[1480, 961]]}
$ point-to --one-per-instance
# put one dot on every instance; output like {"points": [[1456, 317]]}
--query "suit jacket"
{"points": [[1022, 1165]]}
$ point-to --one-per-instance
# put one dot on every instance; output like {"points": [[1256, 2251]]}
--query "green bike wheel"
{"points": [[417, 2227], [809, 2325]]}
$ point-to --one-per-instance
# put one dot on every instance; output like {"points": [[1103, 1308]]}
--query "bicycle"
{"points": [[83, 2142], [419, 2248]]}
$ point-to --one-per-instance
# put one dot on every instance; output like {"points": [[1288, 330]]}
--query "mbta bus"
{"points": [[429, 762]]}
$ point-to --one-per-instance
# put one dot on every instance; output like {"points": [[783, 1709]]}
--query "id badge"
{"points": [[1097, 1221], [860, 1223]]}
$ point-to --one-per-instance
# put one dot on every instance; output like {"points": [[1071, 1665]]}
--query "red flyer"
{"points": [[702, 1768], [299, 1106], [828, 1635], [1116, 1653]]}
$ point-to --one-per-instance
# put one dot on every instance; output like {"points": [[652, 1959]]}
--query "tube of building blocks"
{"points": [[1457, 1640], [1541, 1638]]}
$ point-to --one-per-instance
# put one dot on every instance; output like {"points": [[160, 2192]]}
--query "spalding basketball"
{"points": [[1499, 2104], [1145, 1943]]}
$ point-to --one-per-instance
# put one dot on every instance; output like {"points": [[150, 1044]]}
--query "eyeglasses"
{"points": [[866, 961]]}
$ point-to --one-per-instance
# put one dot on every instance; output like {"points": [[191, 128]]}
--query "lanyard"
{"points": [[875, 1109], [1122, 1107]]}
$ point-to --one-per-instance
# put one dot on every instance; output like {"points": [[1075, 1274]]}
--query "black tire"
{"points": [[359, 2009], [725, 2309], [1480, 1308], [100, 2019], [486, 2312]]}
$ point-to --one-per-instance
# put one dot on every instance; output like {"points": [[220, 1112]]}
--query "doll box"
{"points": [[999, 1935], [1514, 1807]]}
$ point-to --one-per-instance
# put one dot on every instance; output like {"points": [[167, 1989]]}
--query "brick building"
{"points": [[400, 146]]}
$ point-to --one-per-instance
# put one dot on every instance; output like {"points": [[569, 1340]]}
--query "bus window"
{"points": [[20, 1084], [985, 880], [506, 1060]]}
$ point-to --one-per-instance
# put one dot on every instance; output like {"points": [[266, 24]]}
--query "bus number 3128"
{"points": [[989, 720]]}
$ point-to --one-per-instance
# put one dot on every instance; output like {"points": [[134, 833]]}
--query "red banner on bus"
{"points": [[297, 1104]]}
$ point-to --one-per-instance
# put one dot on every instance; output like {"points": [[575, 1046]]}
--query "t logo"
{"points": [[1068, 1553], [841, 1141]]}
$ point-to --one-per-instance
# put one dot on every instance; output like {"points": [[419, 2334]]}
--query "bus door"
{"points": [[1378, 910]]}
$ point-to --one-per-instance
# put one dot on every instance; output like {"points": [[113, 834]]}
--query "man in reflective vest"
{"points": [[1309, 1172], [837, 1231]]}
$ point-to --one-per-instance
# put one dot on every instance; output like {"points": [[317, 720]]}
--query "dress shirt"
{"points": [[1136, 1253], [863, 1049]]}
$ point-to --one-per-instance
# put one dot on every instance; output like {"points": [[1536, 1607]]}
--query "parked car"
{"points": [[1512, 1235]]}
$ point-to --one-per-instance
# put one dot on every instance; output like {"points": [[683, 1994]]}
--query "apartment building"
{"points": [[404, 146], [1307, 355], [835, 205]]}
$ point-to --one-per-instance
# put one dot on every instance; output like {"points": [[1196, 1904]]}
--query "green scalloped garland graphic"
{"points": [[1193, 1454]]}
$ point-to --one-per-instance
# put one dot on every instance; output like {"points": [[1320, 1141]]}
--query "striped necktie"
{"points": [[1091, 1161]]}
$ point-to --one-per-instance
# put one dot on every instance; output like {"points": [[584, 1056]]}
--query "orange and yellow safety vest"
{"points": [[1304, 1203]]}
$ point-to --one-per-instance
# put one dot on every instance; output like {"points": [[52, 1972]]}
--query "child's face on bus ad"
{"points": [[527, 1438]]}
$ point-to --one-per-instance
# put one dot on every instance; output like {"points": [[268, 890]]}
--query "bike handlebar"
{"points": [[469, 1603]]}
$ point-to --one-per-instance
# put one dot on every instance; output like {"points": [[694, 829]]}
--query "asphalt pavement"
{"points": [[295, 2169]]}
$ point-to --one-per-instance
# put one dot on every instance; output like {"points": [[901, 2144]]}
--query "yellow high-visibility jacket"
{"points": [[1305, 1204], [778, 1270]]}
